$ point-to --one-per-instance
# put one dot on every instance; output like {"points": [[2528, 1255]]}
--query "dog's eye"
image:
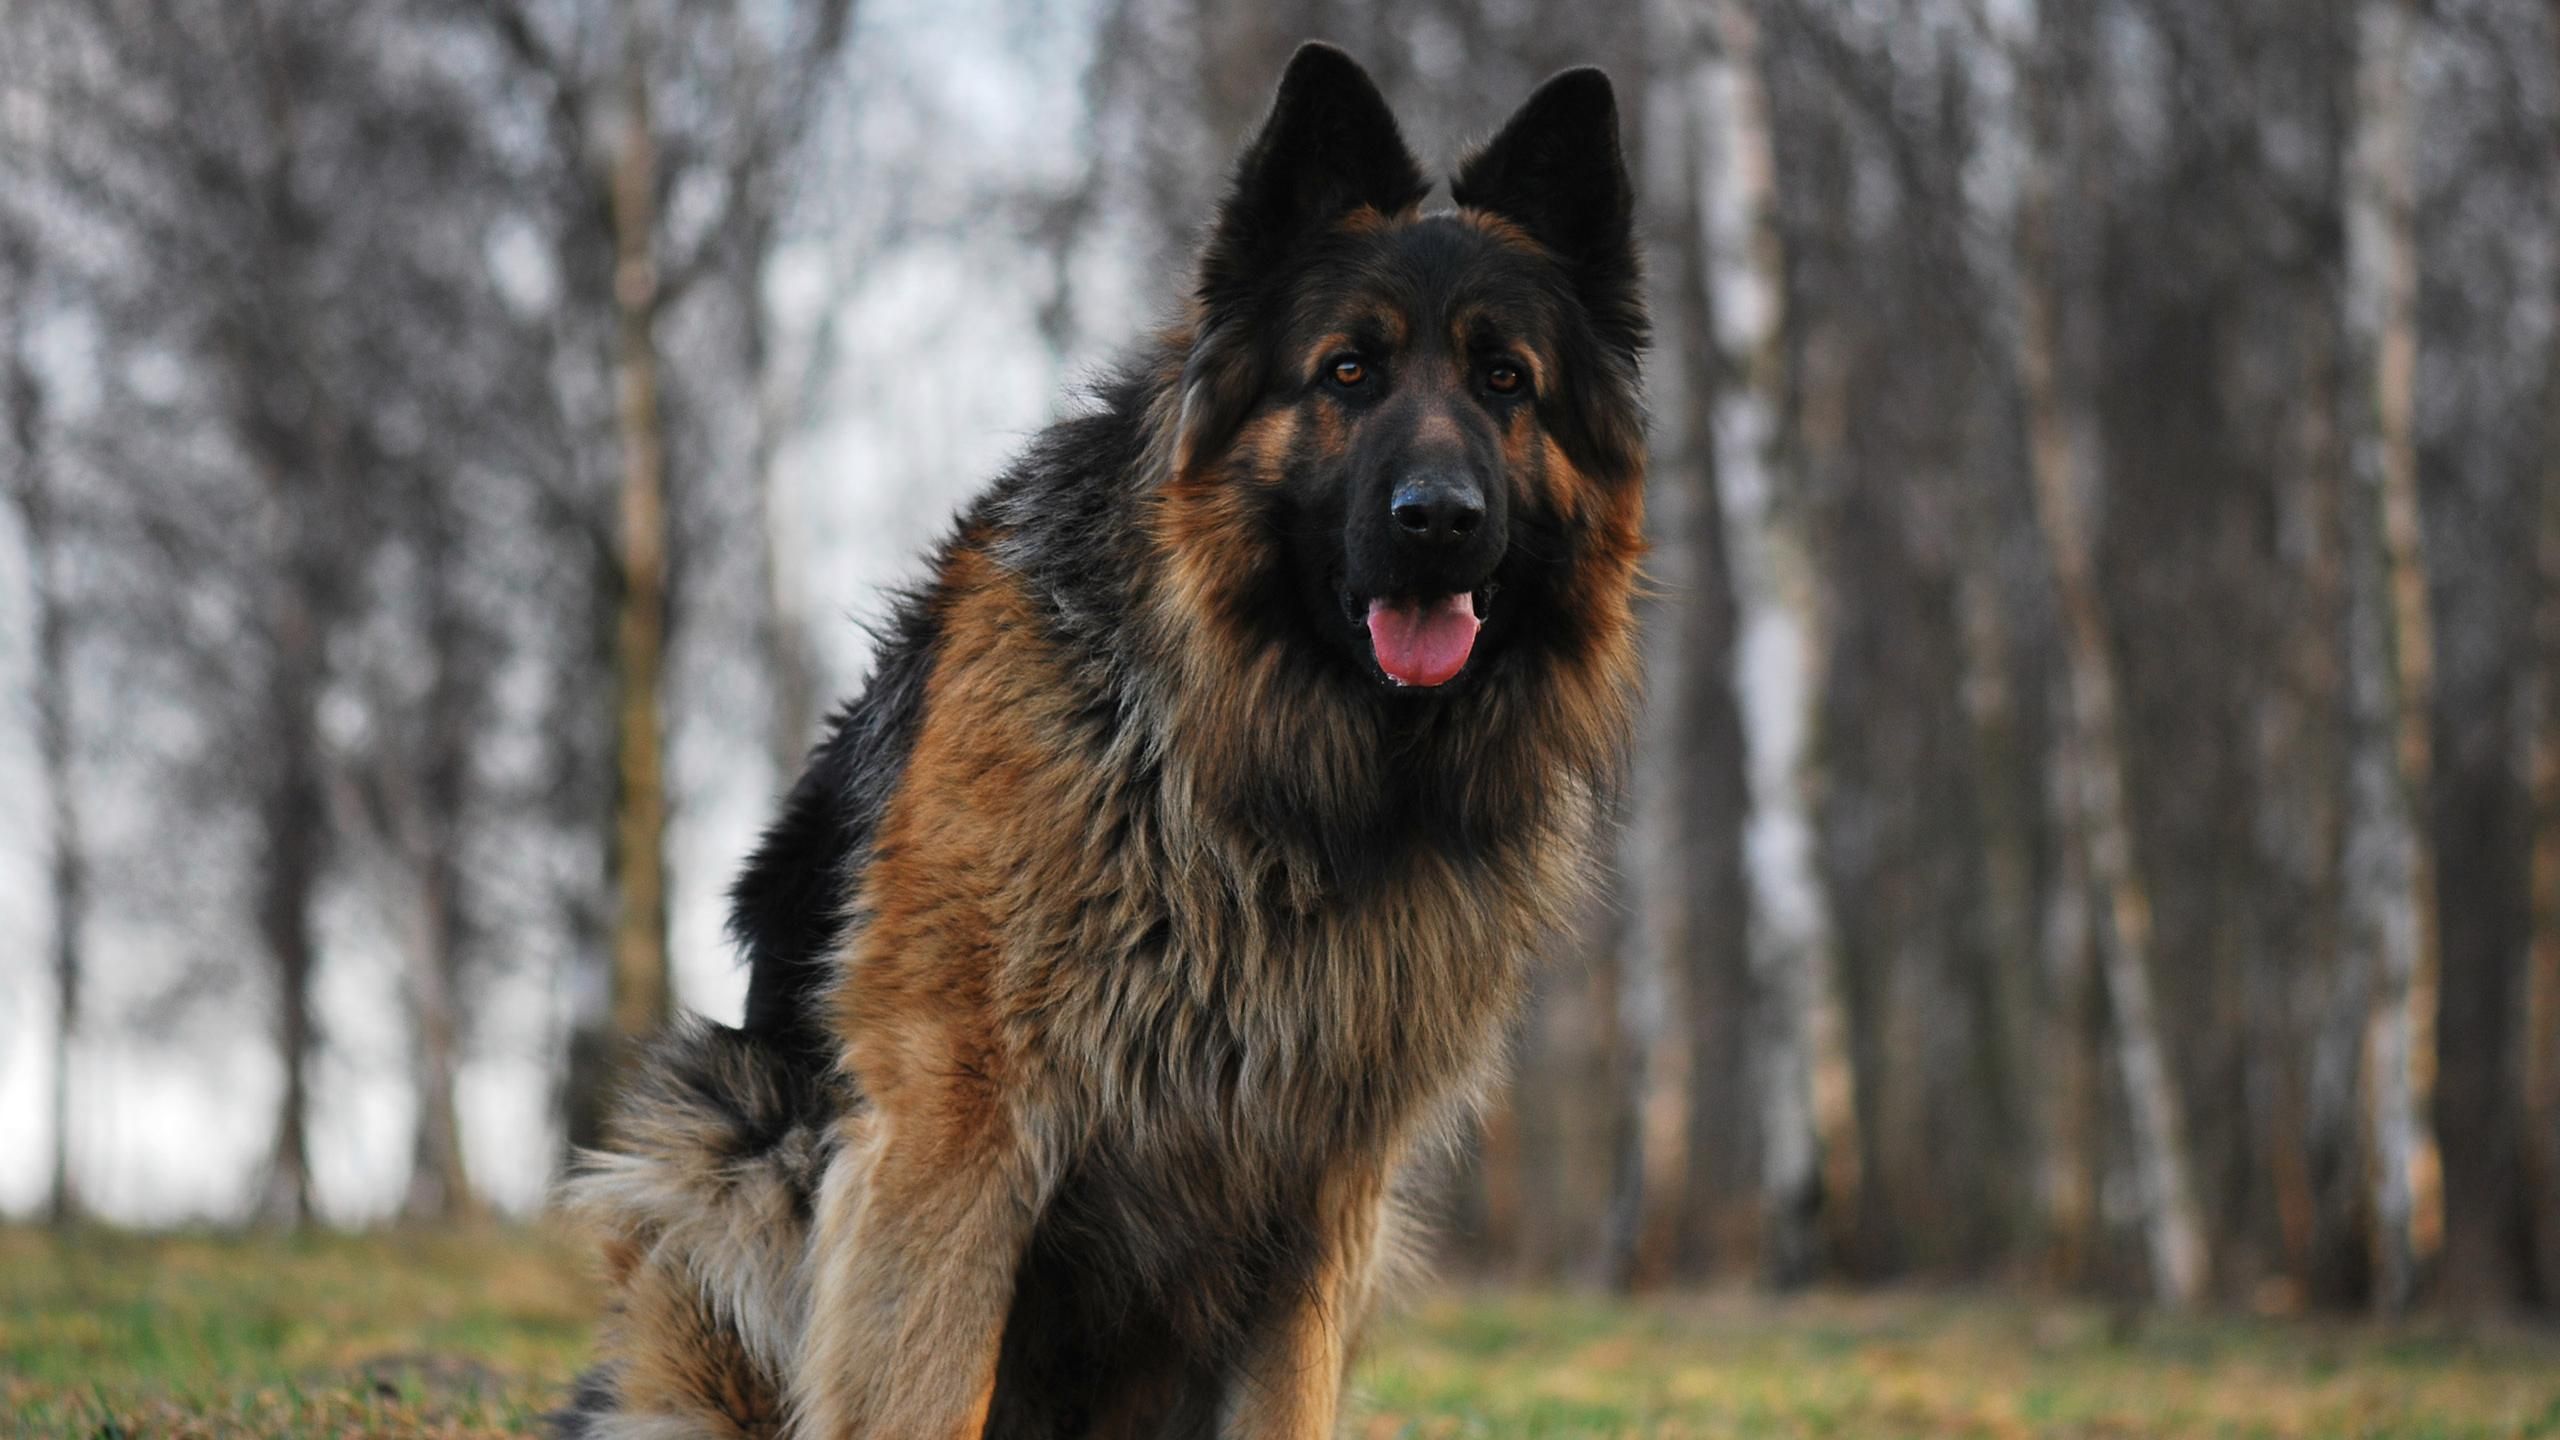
{"points": [[1503, 378], [1348, 371]]}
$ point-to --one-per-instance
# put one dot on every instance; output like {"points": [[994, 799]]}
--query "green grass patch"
{"points": [[477, 1333], [453, 1334], [1928, 1366]]}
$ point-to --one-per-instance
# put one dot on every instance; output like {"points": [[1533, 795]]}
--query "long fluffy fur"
{"points": [[1120, 951]]}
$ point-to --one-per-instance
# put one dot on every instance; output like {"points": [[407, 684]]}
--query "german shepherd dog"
{"points": [[1166, 893]]}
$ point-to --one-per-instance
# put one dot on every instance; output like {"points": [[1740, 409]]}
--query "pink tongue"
{"points": [[1422, 642]]}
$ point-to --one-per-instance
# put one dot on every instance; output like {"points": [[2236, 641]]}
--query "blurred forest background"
{"points": [[2099, 810]]}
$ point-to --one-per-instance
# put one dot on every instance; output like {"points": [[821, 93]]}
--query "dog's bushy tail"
{"points": [[701, 1201]]}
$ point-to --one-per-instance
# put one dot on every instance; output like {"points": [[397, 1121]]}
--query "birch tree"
{"points": [[423, 801], [1802, 1074], [305, 304], [2539, 1046], [2388, 875], [2062, 458], [612, 156], [1672, 851], [783, 93], [249, 145], [2066, 1109], [2333, 1183], [2540, 1042], [641, 982], [596, 183], [36, 496]]}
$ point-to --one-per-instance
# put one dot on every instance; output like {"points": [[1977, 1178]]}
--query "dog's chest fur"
{"points": [[1059, 890], [1193, 1022]]}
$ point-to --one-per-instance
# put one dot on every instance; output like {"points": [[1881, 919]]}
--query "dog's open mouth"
{"points": [[1423, 641]]}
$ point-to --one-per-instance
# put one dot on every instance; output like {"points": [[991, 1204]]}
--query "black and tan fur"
{"points": [[1130, 935]]}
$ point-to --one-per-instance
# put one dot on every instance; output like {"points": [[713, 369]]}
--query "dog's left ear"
{"points": [[1558, 172]]}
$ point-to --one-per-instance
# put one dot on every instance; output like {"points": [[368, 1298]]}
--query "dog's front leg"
{"points": [[1291, 1387], [920, 1226]]}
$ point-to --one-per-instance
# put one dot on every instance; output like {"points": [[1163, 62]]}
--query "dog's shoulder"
{"points": [[1064, 520]]}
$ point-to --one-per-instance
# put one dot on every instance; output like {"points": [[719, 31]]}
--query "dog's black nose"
{"points": [[1439, 508]]}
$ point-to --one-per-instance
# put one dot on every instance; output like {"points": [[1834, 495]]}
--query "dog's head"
{"points": [[1412, 428]]}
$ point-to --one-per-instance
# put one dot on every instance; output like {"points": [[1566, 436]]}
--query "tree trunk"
{"points": [[297, 441], [2018, 880], [66, 867], [2317, 1153], [640, 965], [2066, 1110], [1655, 959], [2540, 1043], [1654, 1058], [291, 815], [2389, 879], [439, 1188], [790, 663], [788, 656], [1804, 1109], [1597, 1167], [1657, 1054], [439, 1183], [2061, 463], [1500, 1170], [2173, 1230], [67, 872], [2539, 1046], [782, 91], [783, 627], [1683, 846]]}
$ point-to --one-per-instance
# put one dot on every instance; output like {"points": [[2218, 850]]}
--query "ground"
{"points": [[475, 1333]]}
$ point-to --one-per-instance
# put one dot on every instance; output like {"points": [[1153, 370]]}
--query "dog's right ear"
{"points": [[1558, 171], [1329, 148]]}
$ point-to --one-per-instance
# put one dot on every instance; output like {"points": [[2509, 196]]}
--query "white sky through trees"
{"points": [[942, 371]]}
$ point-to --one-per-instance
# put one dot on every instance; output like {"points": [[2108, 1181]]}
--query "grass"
{"points": [[474, 1334], [461, 1334], [1922, 1366]]}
